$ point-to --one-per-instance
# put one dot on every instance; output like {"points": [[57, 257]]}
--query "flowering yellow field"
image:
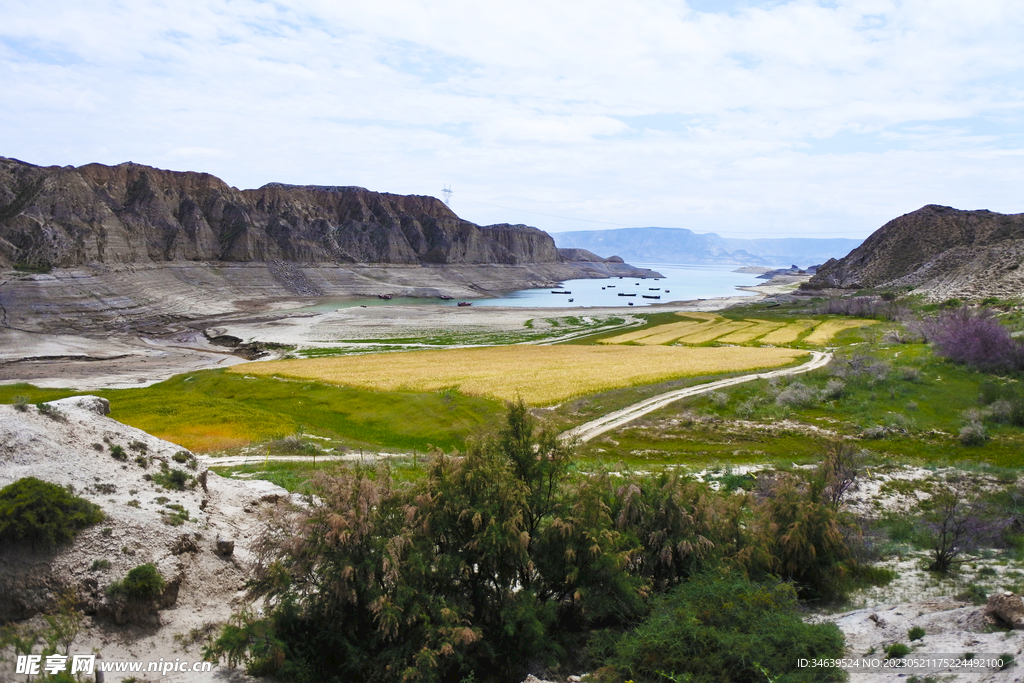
{"points": [[541, 375]]}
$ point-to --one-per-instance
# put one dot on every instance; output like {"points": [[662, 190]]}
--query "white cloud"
{"points": [[785, 117]]}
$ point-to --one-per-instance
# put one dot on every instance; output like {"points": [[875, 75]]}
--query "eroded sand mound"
{"points": [[74, 449]]}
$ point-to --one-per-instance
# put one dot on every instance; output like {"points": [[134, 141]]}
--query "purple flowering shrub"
{"points": [[976, 339]]}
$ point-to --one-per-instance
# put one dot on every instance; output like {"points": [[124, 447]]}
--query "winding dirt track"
{"points": [[589, 430]]}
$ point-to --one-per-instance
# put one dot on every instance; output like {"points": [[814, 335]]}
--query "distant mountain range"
{"points": [[679, 245]]}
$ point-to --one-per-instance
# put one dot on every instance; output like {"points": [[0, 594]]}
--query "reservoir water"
{"points": [[681, 283]]}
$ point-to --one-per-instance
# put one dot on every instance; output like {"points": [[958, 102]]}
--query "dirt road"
{"points": [[588, 431]]}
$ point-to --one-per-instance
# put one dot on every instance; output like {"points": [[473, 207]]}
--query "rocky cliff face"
{"points": [[64, 217], [943, 251]]}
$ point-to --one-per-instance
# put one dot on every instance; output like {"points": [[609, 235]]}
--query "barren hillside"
{"points": [[941, 251]]}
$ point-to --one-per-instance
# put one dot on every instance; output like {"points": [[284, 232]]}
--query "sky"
{"points": [[745, 118]]}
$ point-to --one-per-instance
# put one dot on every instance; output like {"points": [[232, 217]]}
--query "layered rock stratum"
{"points": [[939, 251]]}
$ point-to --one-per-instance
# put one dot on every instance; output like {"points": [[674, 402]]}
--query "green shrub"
{"points": [[973, 434], [99, 565], [118, 452], [897, 651], [39, 511], [21, 403], [178, 516], [172, 479], [916, 633], [716, 628], [50, 412], [141, 583]]}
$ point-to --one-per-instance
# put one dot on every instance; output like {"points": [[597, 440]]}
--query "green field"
{"points": [[213, 411]]}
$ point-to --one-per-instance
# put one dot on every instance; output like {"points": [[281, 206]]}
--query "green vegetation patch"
{"points": [[211, 410], [716, 628], [144, 582], [41, 512]]}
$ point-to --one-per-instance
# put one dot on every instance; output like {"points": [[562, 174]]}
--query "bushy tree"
{"points": [[803, 538], [497, 561], [41, 512]]}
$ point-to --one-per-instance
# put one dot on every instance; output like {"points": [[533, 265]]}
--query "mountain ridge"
{"points": [[938, 250], [131, 213]]}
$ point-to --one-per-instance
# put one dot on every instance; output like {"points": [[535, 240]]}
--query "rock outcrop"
{"points": [[941, 251], [130, 213]]}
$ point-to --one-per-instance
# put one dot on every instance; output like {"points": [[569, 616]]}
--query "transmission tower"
{"points": [[447, 192]]}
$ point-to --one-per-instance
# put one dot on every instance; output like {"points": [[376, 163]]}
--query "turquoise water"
{"points": [[681, 283]]}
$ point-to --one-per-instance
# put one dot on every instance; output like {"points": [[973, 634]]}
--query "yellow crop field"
{"points": [[759, 328], [665, 333], [541, 375], [707, 332], [668, 336], [824, 332], [690, 320], [789, 333]]}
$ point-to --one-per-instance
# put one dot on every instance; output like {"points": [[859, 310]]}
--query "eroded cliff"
{"points": [[66, 216]]}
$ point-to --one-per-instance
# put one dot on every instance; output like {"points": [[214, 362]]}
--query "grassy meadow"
{"points": [[212, 411]]}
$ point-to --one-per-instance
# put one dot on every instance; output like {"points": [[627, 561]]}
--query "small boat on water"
{"points": [[383, 296], [610, 286], [465, 303], [650, 296], [624, 294], [570, 300], [667, 291], [445, 297], [653, 289], [555, 291], [630, 303]]}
